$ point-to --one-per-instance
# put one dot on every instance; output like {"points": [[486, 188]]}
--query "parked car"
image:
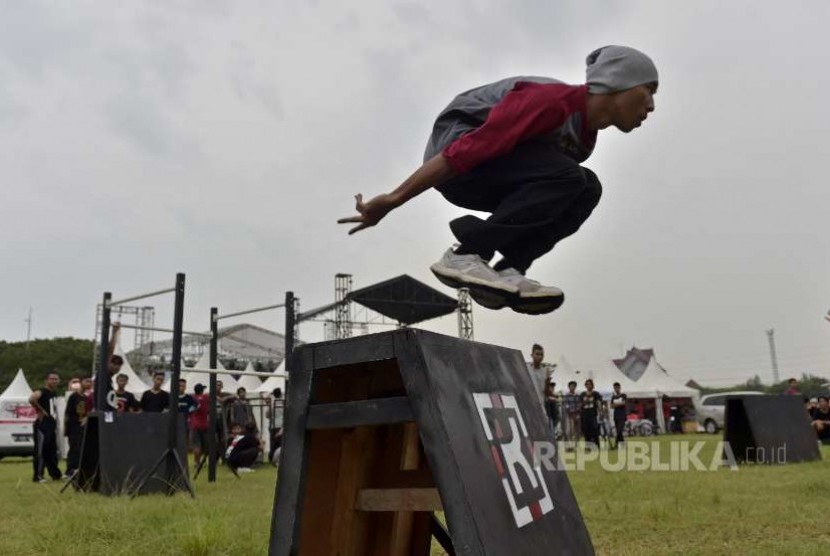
{"points": [[711, 407]]}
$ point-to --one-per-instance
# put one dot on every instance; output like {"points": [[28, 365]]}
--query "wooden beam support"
{"points": [[380, 411], [399, 500]]}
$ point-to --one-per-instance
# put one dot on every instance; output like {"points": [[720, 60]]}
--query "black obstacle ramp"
{"points": [[460, 389], [477, 417], [769, 430], [120, 449]]}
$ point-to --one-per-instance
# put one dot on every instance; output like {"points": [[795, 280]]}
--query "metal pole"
{"points": [[214, 341], [243, 373], [290, 321], [104, 363], [169, 330], [249, 311], [772, 355], [178, 322], [143, 296]]}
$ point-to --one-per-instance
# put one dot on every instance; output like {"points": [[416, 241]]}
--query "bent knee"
{"points": [[592, 183]]}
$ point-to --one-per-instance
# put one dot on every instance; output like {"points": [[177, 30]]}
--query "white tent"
{"points": [[229, 384], [135, 385], [605, 377], [274, 381], [19, 388], [655, 377], [249, 382], [16, 416]]}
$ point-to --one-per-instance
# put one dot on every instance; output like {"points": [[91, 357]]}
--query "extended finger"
{"points": [[362, 226], [350, 219]]}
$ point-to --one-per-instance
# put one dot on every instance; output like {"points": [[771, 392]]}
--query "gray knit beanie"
{"points": [[618, 68]]}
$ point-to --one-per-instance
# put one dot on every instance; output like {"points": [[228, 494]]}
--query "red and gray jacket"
{"points": [[489, 121]]}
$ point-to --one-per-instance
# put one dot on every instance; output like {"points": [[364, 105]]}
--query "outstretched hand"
{"points": [[369, 213]]}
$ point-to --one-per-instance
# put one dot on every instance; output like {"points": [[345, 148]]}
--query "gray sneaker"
{"points": [[533, 298], [527, 288], [460, 271]]}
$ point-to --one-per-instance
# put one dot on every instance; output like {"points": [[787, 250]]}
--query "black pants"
{"points": [[73, 457], [45, 455], [243, 458], [590, 428], [619, 424], [536, 196]]}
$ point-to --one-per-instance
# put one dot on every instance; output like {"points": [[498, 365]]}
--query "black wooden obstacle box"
{"points": [[382, 431], [119, 450], [769, 430]]}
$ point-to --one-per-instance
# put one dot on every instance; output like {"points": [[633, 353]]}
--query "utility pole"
{"points": [[28, 322], [773, 357]]}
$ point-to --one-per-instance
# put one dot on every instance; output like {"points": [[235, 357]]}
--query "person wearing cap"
{"points": [[513, 148]]}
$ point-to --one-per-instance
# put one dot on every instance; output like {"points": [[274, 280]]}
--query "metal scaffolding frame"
{"points": [[465, 314], [343, 322]]}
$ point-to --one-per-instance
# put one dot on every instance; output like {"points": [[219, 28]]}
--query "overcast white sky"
{"points": [[224, 140]]}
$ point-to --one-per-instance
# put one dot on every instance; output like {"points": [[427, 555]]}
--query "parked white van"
{"points": [[711, 407]]}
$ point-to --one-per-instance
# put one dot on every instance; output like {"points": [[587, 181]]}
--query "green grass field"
{"points": [[757, 509]]}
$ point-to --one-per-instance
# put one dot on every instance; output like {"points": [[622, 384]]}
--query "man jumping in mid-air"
{"points": [[513, 148]]}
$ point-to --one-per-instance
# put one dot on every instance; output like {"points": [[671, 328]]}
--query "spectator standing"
{"points": [[572, 406], [591, 402], [276, 407], [199, 423], [619, 403], [45, 427], [186, 404], [125, 400], [552, 406], [539, 373], [155, 400], [792, 388], [821, 419], [74, 420], [241, 411]]}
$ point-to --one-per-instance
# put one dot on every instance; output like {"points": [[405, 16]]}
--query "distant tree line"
{"points": [[809, 384], [67, 356]]}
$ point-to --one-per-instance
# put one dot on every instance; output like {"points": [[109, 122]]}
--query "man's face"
{"points": [[538, 355], [52, 381], [158, 380], [218, 387], [793, 383], [589, 386], [823, 404], [86, 384], [631, 107], [115, 366], [571, 388], [236, 430], [182, 387], [241, 393], [121, 382], [616, 388]]}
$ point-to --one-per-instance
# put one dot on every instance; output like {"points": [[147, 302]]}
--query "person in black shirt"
{"points": [[74, 420], [126, 400], [552, 405], [590, 402], [155, 400], [821, 419], [45, 455], [619, 402], [187, 404]]}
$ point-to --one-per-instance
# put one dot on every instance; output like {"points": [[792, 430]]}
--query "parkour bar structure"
{"points": [[175, 469], [215, 317]]}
